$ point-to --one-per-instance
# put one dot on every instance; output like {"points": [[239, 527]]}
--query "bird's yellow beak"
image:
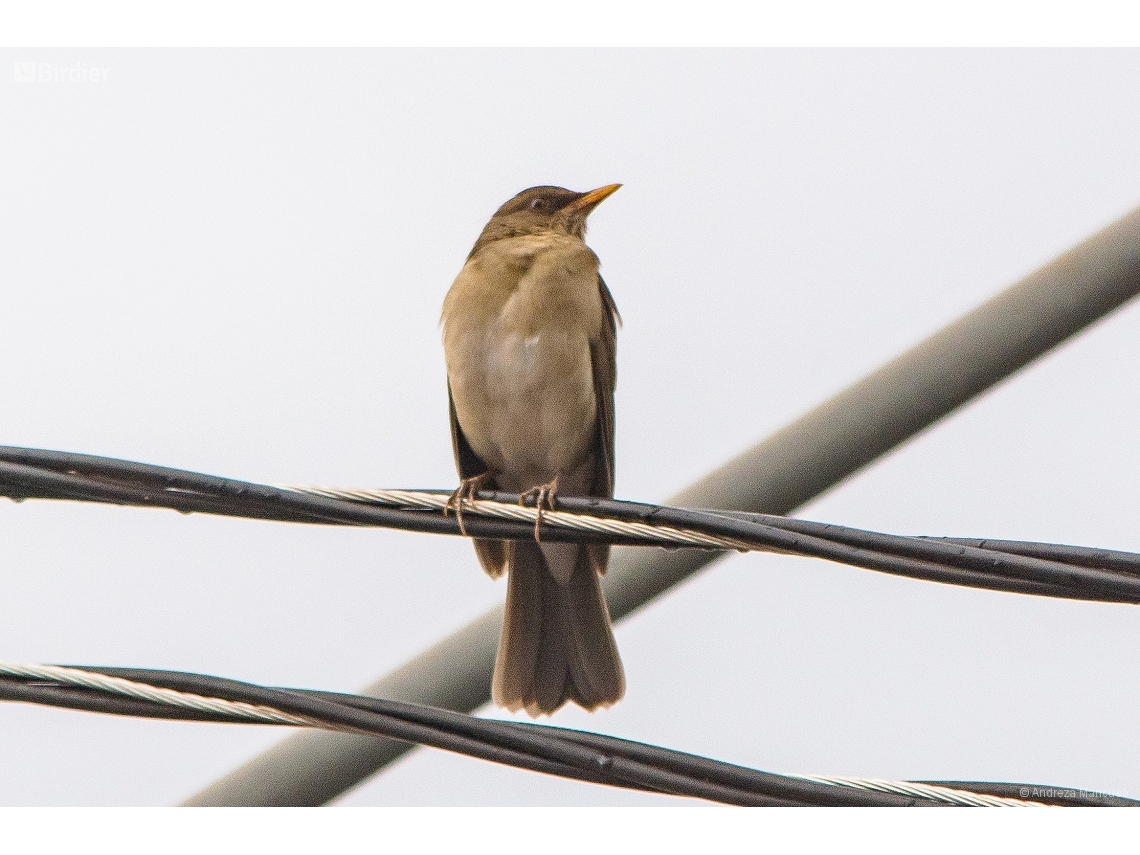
{"points": [[588, 201]]}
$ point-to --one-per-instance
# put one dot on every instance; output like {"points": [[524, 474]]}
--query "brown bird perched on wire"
{"points": [[529, 331]]}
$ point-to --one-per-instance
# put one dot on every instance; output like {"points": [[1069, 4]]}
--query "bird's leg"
{"points": [[468, 487], [544, 495]]}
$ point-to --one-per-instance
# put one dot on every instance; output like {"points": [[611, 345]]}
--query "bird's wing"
{"points": [[467, 461], [492, 554], [603, 356]]}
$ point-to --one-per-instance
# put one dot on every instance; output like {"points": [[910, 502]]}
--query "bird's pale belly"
{"points": [[526, 404]]}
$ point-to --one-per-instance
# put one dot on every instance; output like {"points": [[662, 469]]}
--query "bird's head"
{"points": [[541, 210]]}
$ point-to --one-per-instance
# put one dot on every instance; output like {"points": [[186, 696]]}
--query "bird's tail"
{"points": [[557, 644]]}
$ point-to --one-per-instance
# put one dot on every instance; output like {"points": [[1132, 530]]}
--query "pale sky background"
{"points": [[233, 262]]}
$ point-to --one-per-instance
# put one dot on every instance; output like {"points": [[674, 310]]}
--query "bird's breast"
{"points": [[517, 334]]}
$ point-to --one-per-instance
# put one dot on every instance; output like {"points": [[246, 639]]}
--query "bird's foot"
{"points": [[543, 495], [468, 487]]}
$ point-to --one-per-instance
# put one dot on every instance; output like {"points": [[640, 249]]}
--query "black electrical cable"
{"points": [[500, 742], [1042, 569], [1081, 556], [558, 751], [599, 761], [542, 748]]}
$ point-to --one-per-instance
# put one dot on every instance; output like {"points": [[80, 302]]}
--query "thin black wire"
{"points": [[1043, 569], [581, 755]]}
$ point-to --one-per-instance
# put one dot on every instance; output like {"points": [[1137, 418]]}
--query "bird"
{"points": [[529, 332]]}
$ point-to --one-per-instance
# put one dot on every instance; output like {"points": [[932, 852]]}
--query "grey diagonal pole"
{"points": [[806, 457]]}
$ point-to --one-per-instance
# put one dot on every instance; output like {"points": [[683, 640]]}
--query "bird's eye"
{"points": [[538, 203]]}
